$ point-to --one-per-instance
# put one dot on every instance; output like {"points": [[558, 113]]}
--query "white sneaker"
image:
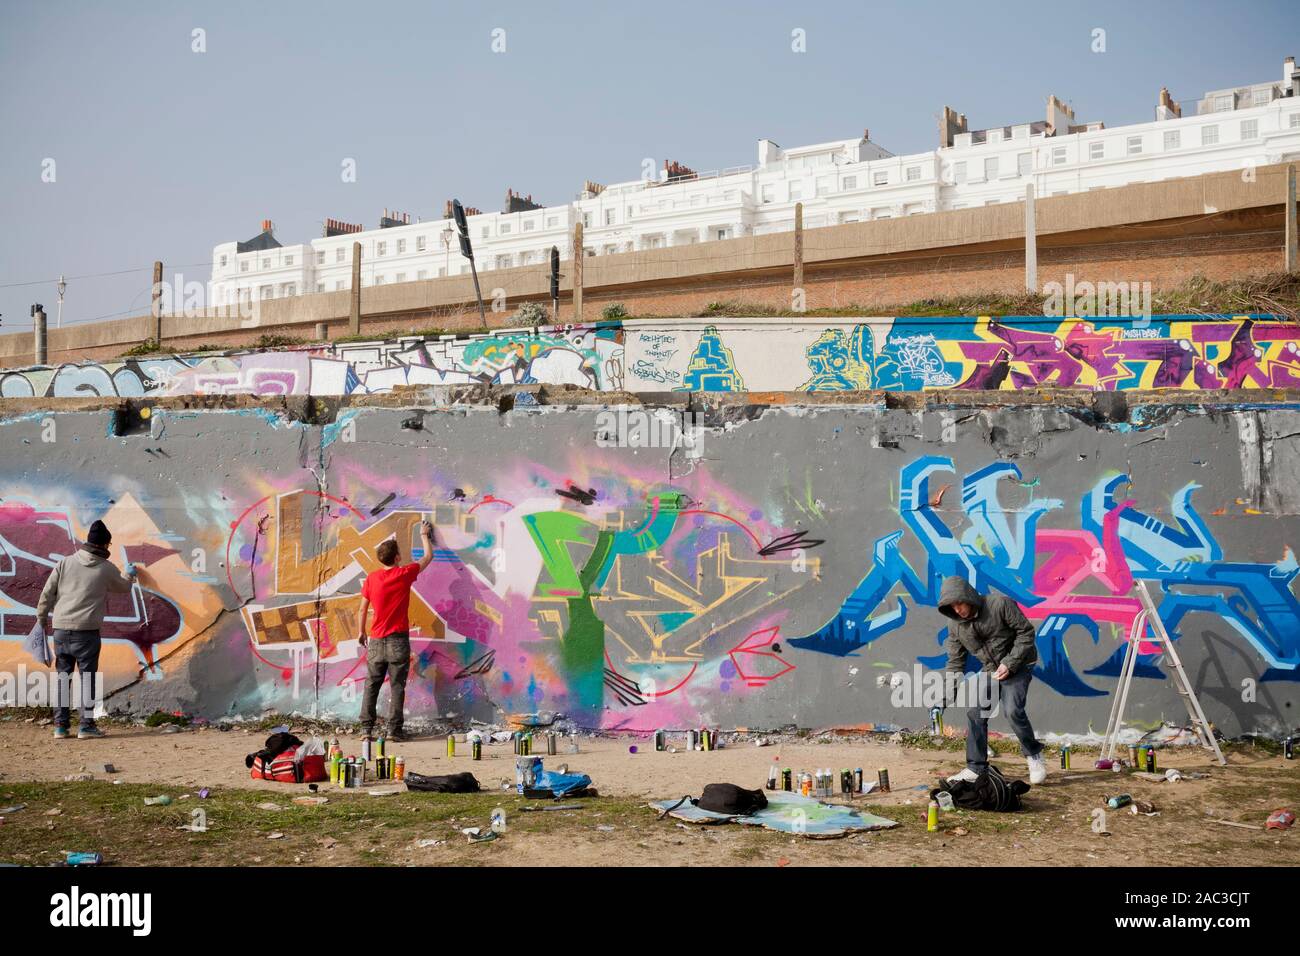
{"points": [[1037, 769], [966, 776]]}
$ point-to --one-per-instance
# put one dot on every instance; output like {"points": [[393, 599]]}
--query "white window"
{"points": [[609, 217], [880, 178], [266, 263], [265, 292], [823, 185], [419, 243], [243, 266], [1058, 156], [796, 191], [1209, 135], [288, 260], [769, 193], [320, 257], [1223, 102], [1025, 163], [505, 229], [320, 286], [911, 208], [991, 168], [401, 277], [1250, 129], [339, 285], [422, 275], [223, 261], [338, 254], [552, 222], [381, 249], [586, 220], [881, 212], [1261, 97], [721, 234], [1173, 139], [1134, 145], [1294, 122], [850, 182], [379, 280], [401, 246], [529, 225], [442, 271], [848, 217], [504, 262], [1097, 150], [959, 172], [913, 174]]}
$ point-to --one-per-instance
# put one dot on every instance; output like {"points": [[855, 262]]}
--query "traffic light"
{"points": [[555, 273], [458, 213]]}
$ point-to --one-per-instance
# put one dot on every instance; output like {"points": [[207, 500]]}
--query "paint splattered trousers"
{"points": [[386, 656], [75, 650], [1011, 695]]}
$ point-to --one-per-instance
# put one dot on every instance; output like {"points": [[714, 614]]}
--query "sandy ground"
{"points": [[1056, 827]]}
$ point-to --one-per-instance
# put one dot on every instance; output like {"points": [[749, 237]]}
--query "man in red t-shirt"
{"points": [[388, 590]]}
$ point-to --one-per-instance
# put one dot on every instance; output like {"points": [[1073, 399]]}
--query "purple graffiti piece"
{"points": [[1242, 362], [1175, 359], [268, 382], [147, 553], [987, 376], [727, 670]]}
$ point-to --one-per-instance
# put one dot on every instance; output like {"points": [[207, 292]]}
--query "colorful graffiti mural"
{"points": [[1047, 571], [1188, 352]]}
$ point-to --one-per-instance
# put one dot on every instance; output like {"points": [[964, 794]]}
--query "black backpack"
{"points": [[991, 791], [276, 744], [731, 799], [452, 783]]}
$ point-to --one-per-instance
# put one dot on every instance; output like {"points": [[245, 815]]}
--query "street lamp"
{"points": [[446, 250], [62, 287]]}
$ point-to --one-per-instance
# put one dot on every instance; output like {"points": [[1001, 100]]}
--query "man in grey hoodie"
{"points": [[996, 631], [77, 593]]}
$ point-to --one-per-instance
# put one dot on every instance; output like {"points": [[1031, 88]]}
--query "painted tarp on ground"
{"points": [[791, 813], [785, 575], [733, 355]]}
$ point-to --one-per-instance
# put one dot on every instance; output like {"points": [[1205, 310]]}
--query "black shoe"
{"points": [[398, 736]]}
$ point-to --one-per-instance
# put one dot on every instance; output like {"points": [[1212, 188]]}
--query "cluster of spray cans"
{"points": [[702, 739], [350, 772], [819, 783]]}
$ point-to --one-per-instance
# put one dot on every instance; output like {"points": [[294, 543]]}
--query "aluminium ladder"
{"points": [[1149, 615]]}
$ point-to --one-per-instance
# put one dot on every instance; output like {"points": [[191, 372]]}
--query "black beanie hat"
{"points": [[98, 535]]}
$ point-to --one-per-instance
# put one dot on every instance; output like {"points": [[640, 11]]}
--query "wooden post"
{"points": [[354, 315], [155, 308], [1031, 242], [577, 271], [798, 245], [1291, 252]]}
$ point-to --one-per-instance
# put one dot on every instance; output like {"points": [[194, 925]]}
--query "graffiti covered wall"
{"points": [[733, 355], [777, 574]]}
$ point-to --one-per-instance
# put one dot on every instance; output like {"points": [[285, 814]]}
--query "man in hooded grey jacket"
{"points": [[76, 597], [996, 631]]}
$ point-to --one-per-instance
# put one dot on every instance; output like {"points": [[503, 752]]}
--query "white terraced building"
{"points": [[840, 182]]}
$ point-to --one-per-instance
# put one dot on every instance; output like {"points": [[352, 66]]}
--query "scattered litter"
{"points": [[558, 806], [310, 801], [269, 806], [425, 844], [1280, 820], [78, 777], [783, 862], [1172, 775], [479, 835], [107, 768], [387, 792], [786, 813], [1144, 807], [54, 812], [960, 831], [203, 794], [170, 729], [276, 836], [605, 828], [159, 801], [327, 843], [1234, 823], [14, 809], [81, 859]]}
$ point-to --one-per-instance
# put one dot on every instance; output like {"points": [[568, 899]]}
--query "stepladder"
{"points": [[1149, 629]]}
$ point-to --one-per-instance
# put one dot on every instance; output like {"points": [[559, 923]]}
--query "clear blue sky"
{"points": [[162, 152]]}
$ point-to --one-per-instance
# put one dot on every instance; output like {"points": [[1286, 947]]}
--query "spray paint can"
{"points": [[365, 749], [476, 749], [399, 768], [528, 744], [773, 777], [1288, 748], [1151, 760], [659, 740], [787, 780], [705, 739], [379, 747], [691, 739], [333, 768], [805, 784], [1141, 757], [857, 780], [882, 777], [451, 745], [846, 781], [1121, 800], [550, 744], [1065, 757], [936, 721], [932, 817], [1133, 755]]}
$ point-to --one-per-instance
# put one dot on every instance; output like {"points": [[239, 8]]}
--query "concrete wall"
{"points": [[776, 572], [731, 355], [1223, 226]]}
